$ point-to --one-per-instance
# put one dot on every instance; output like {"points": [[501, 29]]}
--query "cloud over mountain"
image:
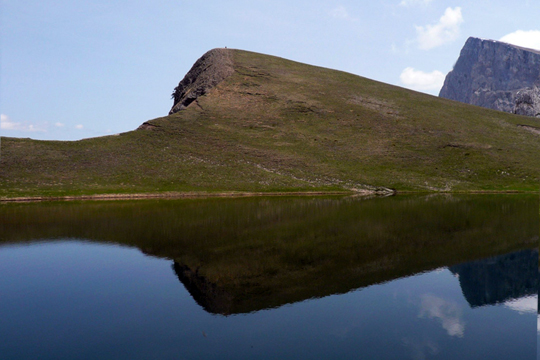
{"points": [[528, 39], [420, 80]]}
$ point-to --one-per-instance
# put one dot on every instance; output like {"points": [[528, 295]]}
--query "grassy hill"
{"points": [[275, 125]]}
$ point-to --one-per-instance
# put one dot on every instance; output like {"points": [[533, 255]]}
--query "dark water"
{"points": [[406, 277]]}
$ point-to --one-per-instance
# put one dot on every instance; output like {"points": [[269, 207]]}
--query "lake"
{"points": [[401, 277]]}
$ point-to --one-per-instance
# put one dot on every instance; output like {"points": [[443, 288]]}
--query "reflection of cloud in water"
{"points": [[527, 304], [421, 348], [448, 312]]}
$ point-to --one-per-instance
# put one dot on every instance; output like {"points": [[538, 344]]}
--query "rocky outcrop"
{"points": [[495, 75], [207, 72], [527, 102]]}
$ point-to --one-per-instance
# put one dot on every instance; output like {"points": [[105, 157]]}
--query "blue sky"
{"points": [[78, 69]]}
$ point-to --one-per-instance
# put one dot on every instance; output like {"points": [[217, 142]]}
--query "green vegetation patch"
{"points": [[281, 126]]}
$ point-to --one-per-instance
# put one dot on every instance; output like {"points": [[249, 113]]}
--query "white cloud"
{"points": [[59, 124], [446, 30], [419, 80], [529, 39], [340, 13], [448, 313], [7, 124], [79, 127], [414, 2]]}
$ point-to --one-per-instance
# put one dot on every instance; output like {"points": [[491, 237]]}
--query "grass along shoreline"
{"points": [[177, 195], [235, 194]]}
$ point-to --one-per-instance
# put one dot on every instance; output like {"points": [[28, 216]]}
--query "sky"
{"points": [[77, 69]]}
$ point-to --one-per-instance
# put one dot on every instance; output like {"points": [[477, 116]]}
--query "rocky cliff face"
{"points": [[207, 72], [496, 75]]}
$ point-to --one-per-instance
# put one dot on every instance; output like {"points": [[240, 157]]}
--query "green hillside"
{"points": [[279, 126]]}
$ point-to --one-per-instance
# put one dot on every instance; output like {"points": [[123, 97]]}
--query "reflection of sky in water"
{"points": [[444, 316], [527, 304], [449, 313], [420, 350], [437, 303], [420, 317]]}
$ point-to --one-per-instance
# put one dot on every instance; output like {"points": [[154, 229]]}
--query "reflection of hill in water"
{"points": [[243, 255], [208, 295], [498, 279], [483, 282]]}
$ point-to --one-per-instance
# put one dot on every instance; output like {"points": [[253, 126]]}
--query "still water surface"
{"points": [[312, 278]]}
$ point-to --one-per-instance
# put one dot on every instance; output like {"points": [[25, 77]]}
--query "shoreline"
{"points": [[232, 194], [175, 195]]}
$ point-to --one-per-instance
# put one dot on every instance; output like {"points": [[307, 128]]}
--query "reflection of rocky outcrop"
{"points": [[496, 280], [483, 282], [248, 254], [208, 295], [495, 75]]}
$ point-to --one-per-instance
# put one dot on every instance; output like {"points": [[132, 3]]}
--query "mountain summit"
{"points": [[211, 69], [496, 75]]}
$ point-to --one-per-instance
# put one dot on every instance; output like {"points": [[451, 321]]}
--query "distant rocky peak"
{"points": [[496, 75]]}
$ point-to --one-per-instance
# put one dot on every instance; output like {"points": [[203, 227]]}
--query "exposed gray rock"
{"points": [[491, 74], [527, 102], [207, 72]]}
